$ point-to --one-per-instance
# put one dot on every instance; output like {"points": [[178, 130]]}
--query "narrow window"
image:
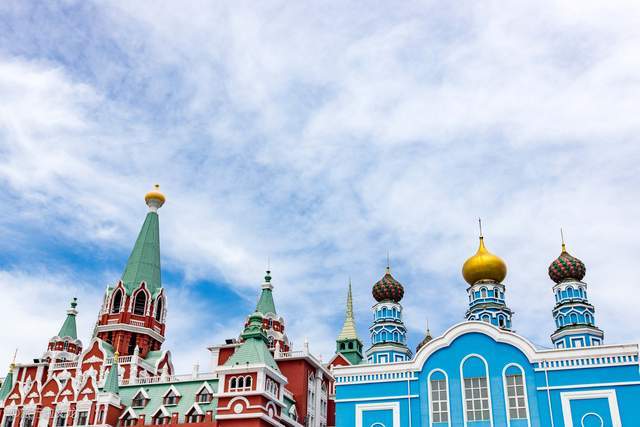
{"points": [[483, 292], [159, 308], [61, 420], [247, 383], [117, 302], [439, 398], [28, 420], [8, 421], [140, 304], [476, 390], [516, 399], [83, 416]]}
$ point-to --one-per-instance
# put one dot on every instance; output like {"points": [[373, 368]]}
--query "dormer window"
{"points": [[171, 398], [194, 417], [204, 397], [139, 401]]}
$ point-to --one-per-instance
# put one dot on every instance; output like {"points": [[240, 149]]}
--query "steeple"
{"points": [[348, 344], [111, 384], [426, 339], [484, 272], [7, 383], [143, 264], [265, 303], [272, 324], [254, 347], [69, 326], [573, 314]]}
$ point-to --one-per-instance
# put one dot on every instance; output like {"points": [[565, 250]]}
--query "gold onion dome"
{"points": [[566, 267], [155, 197], [484, 266]]}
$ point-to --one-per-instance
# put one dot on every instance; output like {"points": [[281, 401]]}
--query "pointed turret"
{"points": [[425, 340], [272, 324], [7, 384], [254, 348], [68, 329], [65, 345], [111, 384], [348, 344], [143, 264], [265, 303]]}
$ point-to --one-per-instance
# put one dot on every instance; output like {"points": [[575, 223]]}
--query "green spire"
{"points": [[254, 348], [265, 303], [69, 326], [144, 261], [111, 384], [348, 344], [7, 383]]}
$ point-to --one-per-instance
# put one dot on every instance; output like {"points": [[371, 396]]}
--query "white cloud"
{"points": [[325, 135]]}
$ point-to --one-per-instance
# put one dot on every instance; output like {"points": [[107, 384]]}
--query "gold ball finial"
{"points": [[116, 355], [484, 266], [154, 198]]}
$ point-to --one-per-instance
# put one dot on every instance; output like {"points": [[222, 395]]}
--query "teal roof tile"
{"points": [[69, 326], [111, 384], [5, 389], [144, 262]]}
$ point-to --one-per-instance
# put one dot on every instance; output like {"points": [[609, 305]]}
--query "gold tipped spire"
{"points": [[564, 247], [116, 355], [348, 331], [483, 265], [154, 198]]}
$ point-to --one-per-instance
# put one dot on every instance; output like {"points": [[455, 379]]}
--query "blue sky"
{"points": [[321, 136]]}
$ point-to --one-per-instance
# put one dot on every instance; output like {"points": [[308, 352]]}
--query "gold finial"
{"points": [[116, 355], [564, 248], [12, 365], [154, 198]]}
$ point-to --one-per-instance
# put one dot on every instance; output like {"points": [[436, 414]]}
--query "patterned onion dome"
{"points": [[566, 267], [388, 288], [484, 266]]}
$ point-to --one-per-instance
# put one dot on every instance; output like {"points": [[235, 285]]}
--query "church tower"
{"points": [[272, 324], [573, 314], [388, 333], [348, 344], [65, 346], [132, 318], [484, 272]]}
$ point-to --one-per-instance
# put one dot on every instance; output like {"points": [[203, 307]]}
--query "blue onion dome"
{"points": [[566, 267], [388, 288]]}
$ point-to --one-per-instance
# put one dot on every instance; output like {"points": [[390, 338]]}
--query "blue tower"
{"points": [[388, 333], [484, 272], [573, 314]]}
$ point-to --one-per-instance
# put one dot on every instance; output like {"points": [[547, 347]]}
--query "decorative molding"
{"points": [[610, 395]]}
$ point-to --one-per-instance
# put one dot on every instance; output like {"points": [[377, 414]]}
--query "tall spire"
{"points": [[111, 383], [69, 326], [144, 262], [348, 331], [265, 303]]}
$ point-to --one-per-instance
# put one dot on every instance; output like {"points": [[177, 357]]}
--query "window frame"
{"points": [[507, 397], [431, 401], [463, 387]]}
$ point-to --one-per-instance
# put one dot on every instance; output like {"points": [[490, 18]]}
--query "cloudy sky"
{"points": [[320, 135]]}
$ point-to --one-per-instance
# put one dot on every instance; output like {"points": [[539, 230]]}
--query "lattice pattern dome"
{"points": [[566, 267], [388, 288]]}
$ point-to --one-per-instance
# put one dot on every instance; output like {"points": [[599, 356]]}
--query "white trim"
{"points": [[393, 406], [613, 384], [429, 397], [369, 399], [130, 328], [610, 395], [594, 414], [464, 401], [506, 396]]}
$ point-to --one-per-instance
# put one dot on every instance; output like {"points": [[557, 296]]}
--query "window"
{"points": [[117, 301], [240, 383], [439, 398], [129, 421], [83, 417], [194, 417], [516, 400], [139, 401], [204, 397], [476, 399], [61, 419], [483, 292], [140, 304], [8, 421], [160, 419], [27, 420], [170, 398], [159, 307]]}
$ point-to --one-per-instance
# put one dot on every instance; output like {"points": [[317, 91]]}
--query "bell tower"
{"points": [[132, 318]]}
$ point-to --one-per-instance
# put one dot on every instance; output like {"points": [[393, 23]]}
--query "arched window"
{"points": [[233, 384], [140, 303], [350, 345], [394, 313], [501, 321], [515, 392], [486, 318], [159, 308], [569, 292], [588, 318], [439, 396], [240, 383], [483, 292], [477, 405], [574, 318], [342, 346], [116, 301], [248, 382], [384, 311]]}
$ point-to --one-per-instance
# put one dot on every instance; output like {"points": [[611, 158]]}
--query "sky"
{"points": [[320, 136]]}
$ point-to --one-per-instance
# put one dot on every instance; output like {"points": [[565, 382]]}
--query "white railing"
{"points": [[65, 365], [137, 322], [169, 378]]}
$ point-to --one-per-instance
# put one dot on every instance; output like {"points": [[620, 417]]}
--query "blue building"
{"points": [[481, 374]]}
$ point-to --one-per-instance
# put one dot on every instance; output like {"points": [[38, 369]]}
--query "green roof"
{"points": [[111, 384], [254, 348], [156, 392], [265, 303], [5, 389], [144, 261], [69, 326], [153, 356]]}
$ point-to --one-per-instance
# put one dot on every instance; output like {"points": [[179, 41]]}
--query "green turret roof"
{"points": [[144, 261], [69, 326], [348, 344], [111, 384], [265, 303], [7, 384], [254, 348]]}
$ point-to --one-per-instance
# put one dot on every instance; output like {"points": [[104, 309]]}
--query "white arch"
{"points": [[486, 371], [134, 295], [526, 395], [594, 414], [446, 379]]}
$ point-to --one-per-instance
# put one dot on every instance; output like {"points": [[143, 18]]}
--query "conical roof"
{"points": [[348, 331], [144, 262], [7, 384], [111, 384], [69, 326], [254, 348], [265, 303]]}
